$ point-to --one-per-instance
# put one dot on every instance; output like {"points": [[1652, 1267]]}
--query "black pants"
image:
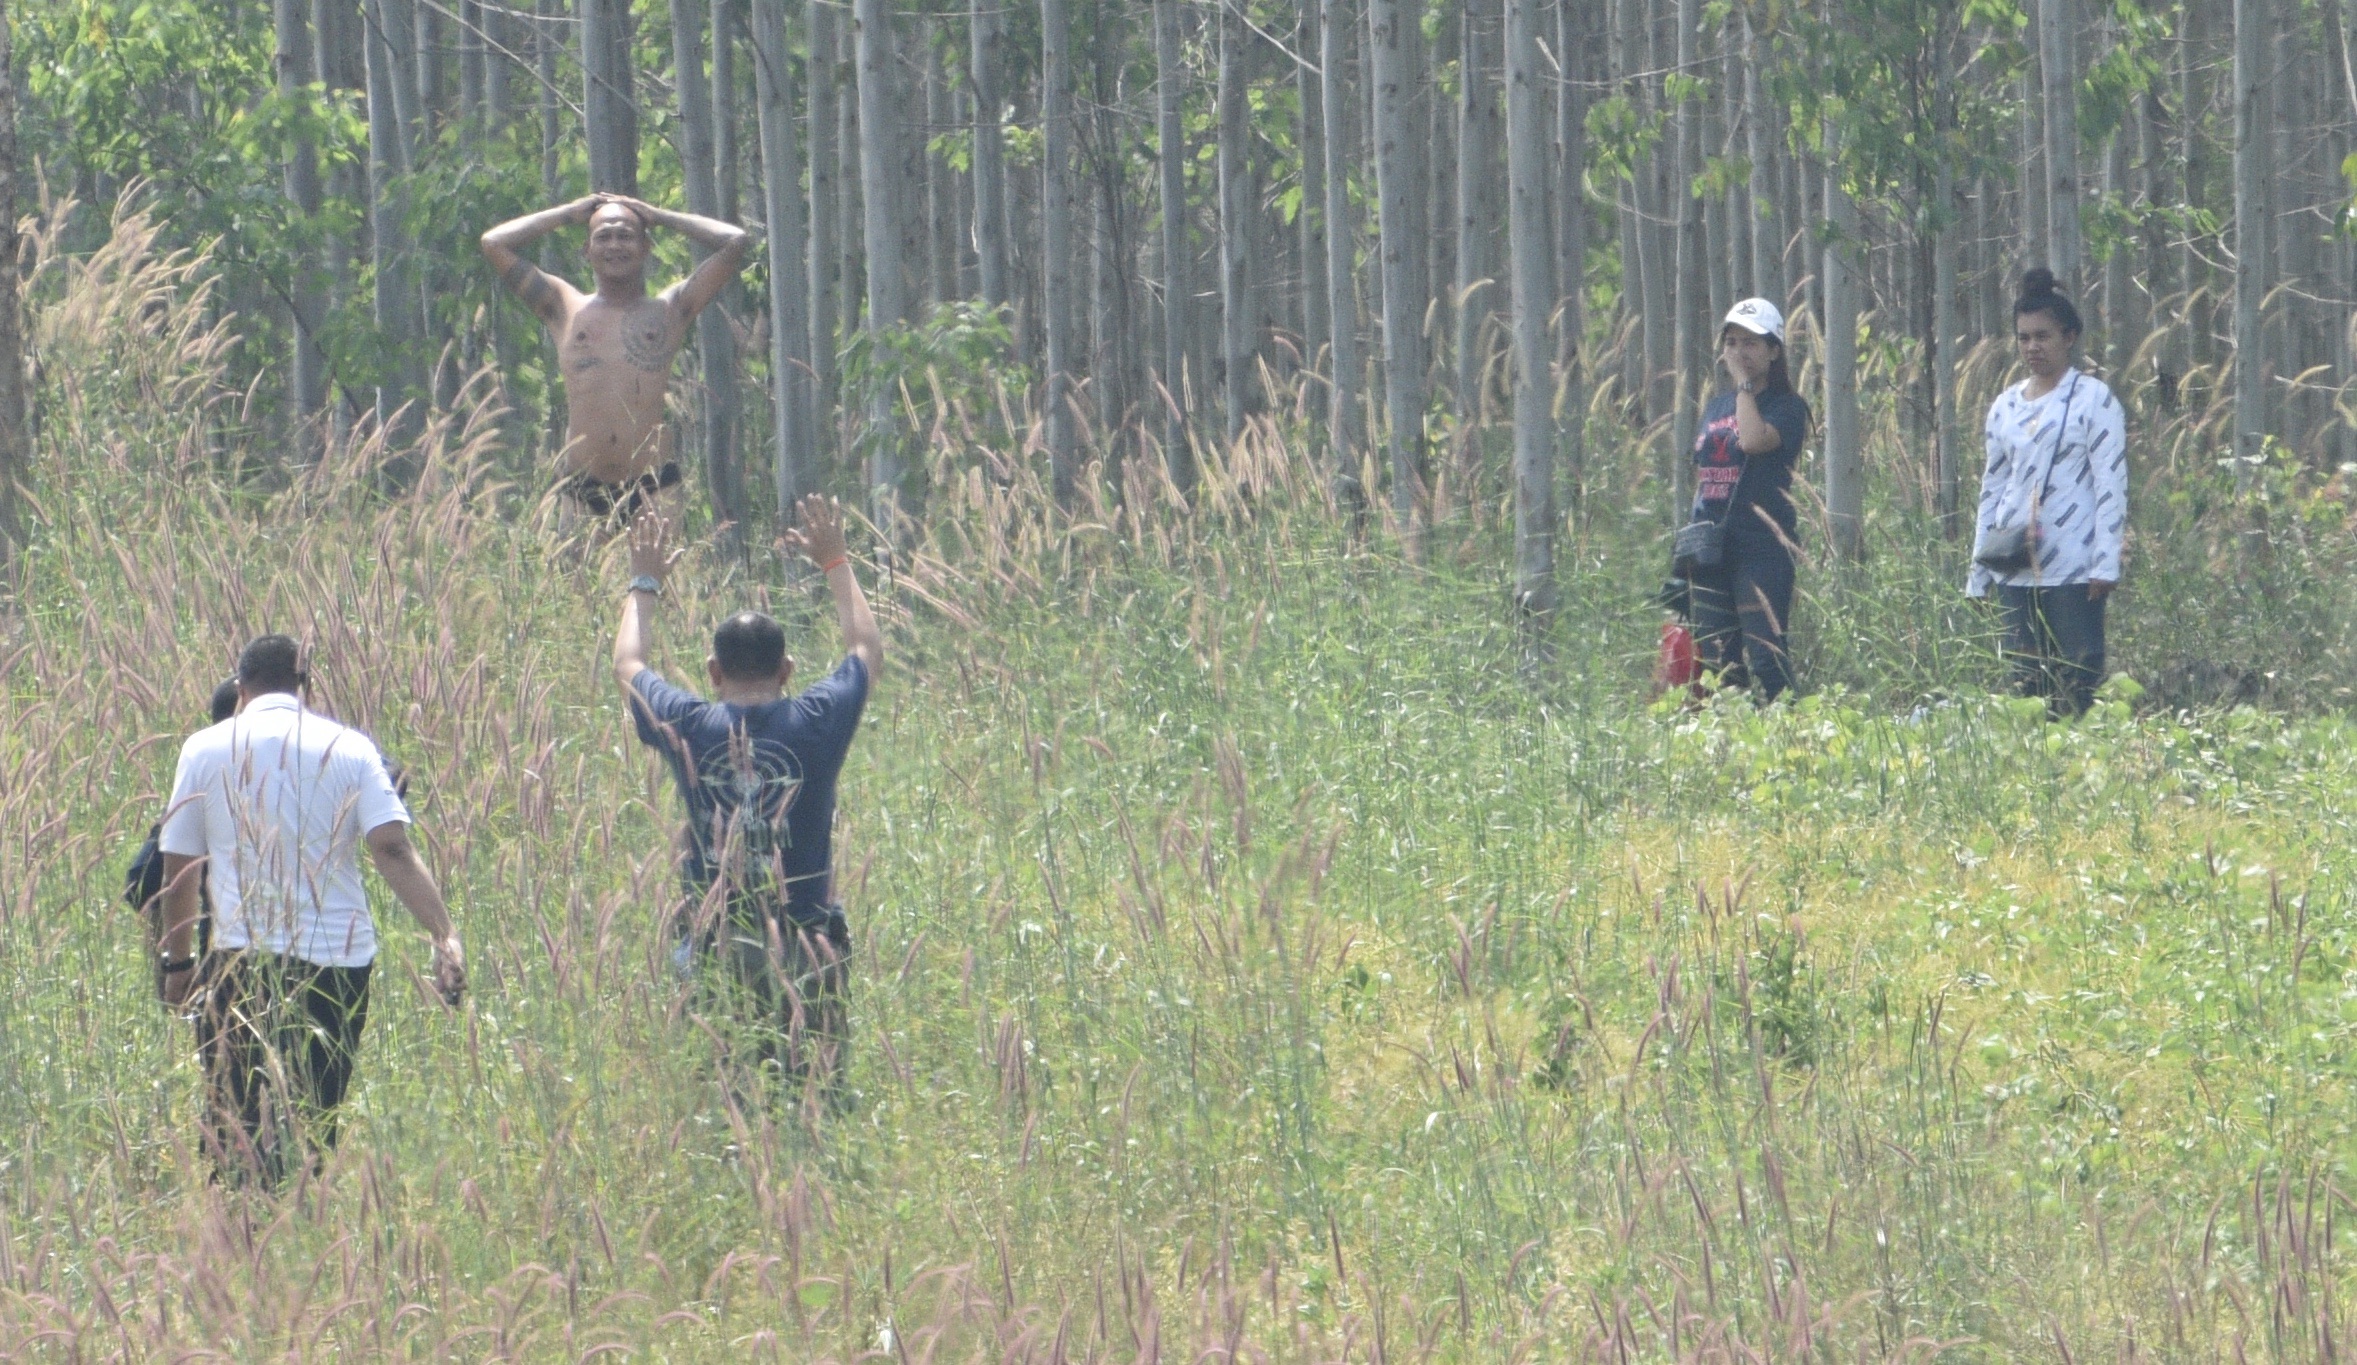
{"points": [[2054, 640], [785, 987], [1747, 597], [277, 1037]]}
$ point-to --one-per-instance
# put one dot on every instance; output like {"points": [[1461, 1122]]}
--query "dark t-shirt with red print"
{"points": [[1765, 482]]}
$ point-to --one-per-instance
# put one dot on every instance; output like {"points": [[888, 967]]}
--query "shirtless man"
{"points": [[615, 346]]}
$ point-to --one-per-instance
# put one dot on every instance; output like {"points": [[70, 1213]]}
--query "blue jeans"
{"points": [[1747, 596], [2054, 640]]}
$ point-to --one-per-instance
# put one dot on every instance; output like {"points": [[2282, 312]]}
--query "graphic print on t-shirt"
{"points": [[1718, 465], [749, 798]]}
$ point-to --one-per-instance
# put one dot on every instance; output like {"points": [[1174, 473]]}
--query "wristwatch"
{"points": [[646, 583], [1751, 386]]}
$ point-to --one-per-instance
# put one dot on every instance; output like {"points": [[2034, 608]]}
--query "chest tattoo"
{"points": [[643, 345]]}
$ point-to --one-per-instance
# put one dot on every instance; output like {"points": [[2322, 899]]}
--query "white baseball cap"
{"points": [[1758, 317]]}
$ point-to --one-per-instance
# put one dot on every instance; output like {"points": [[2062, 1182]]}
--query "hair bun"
{"points": [[2036, 281]]}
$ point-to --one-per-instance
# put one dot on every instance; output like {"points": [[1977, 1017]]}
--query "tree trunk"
{"points": [[1477, 148], [1056, 242], [1177, 291], [1845, 467], [1944, 325], [2251, 24], [789, 326], [825, 287], [879, 197], [715, 343], [473, 79], [399, 382], [308, 291], [2034, 235], [1399, 218], [990, 183], [728, 22], [16, 447], [2058, 70], [1687, 298], [1767, 225], [1346, 435], [609, 103], [1572, 40], [1236, 207], [1531, 251], [941, 252], [1310, 217]]}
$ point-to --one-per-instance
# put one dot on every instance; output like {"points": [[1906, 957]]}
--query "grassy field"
{"points": [[1259, 956]]}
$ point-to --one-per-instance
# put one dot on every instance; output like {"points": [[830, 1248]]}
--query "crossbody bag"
{"points": [[2012, 545]]}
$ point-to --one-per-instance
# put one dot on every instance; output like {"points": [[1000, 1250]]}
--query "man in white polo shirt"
{"points": [[274, 803]]}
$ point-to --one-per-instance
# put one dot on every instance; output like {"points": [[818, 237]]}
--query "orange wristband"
{"points": [[833, 564]]}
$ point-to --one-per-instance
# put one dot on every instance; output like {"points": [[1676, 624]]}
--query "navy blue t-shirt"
{"points": [[759, 782], [1765, 483]]}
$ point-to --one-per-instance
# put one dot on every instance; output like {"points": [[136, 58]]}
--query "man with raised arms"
{"points": [[615, 346]]}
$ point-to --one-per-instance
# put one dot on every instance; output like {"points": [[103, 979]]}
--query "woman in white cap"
{"points": [[1741, 572], [2054, 506]]}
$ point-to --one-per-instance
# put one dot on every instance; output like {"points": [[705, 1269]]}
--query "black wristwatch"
{"points": [[173, 966]]}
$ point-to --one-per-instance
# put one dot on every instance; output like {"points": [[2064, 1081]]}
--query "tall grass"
{"points": [[1257, 957]]}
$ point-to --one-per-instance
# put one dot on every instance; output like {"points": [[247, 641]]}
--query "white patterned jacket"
{"points": [[2078, 485]]}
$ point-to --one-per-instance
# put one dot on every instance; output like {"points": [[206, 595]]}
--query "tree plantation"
{"points": [[1254, 904]]}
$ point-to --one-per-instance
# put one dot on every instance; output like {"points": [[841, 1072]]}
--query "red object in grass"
{"points": [[1677, 664]]}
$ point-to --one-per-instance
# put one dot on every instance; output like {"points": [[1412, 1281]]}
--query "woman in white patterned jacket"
{"points": [[2054, 506]]}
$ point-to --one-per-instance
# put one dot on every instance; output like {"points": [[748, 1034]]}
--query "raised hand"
{"points": [[818, 534], [650, 545]]}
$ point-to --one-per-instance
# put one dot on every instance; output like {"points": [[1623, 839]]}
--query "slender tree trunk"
{"points": [[2058, 69], [308, 293], [1477, 146], [1531, 250], [941, 258], [1687, 288], [851, 285], [1345, 417], [990, 183], [1236, 206], [399, 382], [1767, 226], [1310, 217], [1573, 39], [1177, 291], [1945, 342], [2035, 239], [16, 443], [879, 96], [473, 79], [728, 23], [716, 344], [1056, 242], [502, 53], [2251, 24], [825, 285], [552, 129], [1399, 218], [2121, 335], [609, 100], [1845, 469], [794, 467]]}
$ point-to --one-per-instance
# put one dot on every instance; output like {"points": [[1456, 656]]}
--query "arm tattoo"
{"points": [[529, 283]]}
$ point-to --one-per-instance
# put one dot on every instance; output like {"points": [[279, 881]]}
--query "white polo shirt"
{"points": [[278, 798]]}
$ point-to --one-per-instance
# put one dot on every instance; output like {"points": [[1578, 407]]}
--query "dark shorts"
{"points": [[619, 502]]}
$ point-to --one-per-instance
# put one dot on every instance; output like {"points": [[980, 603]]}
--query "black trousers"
{"points": [[2054, 640], [277, 1037], [785, 986], [1741, 608]]}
